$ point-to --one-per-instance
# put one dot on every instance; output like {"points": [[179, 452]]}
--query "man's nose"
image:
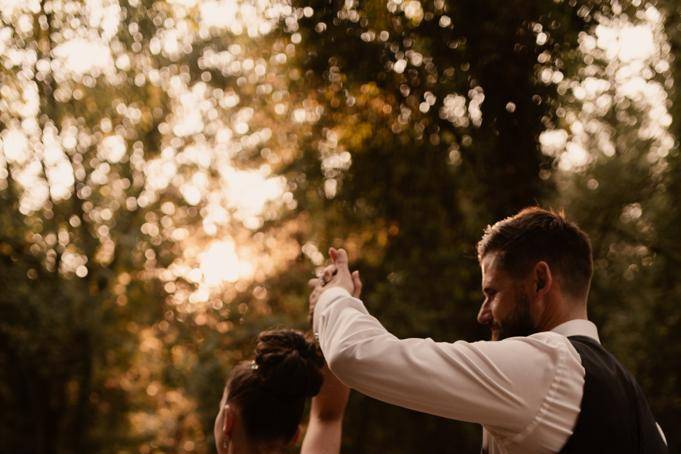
{"points": [[485, 313]]}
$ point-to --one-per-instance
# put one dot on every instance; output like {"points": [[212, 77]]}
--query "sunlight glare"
{"points": [[574, 158], [221, 263], [627, 43], [81, 56], [250, 191], [15, 145]]}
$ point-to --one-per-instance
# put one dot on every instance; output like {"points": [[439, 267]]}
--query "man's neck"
{"points": [[563, 311]]}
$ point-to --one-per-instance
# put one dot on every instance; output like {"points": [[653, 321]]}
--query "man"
{"points": [[543, 384]]}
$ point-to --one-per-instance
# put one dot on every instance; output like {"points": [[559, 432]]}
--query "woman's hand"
{"points": [[324, 431], [328, 407], [329, 404]]}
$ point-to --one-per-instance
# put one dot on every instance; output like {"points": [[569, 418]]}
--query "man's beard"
{"points": [[518, 322]]}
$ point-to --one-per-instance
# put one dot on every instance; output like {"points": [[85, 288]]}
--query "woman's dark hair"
{"points": [[271, 390]]}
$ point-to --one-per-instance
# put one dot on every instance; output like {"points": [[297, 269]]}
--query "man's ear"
{"points": [[295, 438], [543, 279]]}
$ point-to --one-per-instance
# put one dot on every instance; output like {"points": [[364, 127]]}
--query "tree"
{"points": [[115, 157], [622, 188]]}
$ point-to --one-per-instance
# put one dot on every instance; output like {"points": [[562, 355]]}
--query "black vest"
{"points": [[614, 416]]}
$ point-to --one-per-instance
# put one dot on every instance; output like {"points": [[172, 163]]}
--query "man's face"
{"points": [[506, 307]]}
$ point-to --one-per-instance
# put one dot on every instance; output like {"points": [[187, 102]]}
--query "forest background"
{"points": [[172, 172]]}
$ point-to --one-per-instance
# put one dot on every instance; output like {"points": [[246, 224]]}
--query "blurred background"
{"points": [[173, 172]]}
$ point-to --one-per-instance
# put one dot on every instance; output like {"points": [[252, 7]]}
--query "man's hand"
{"points": [[335, 275]]}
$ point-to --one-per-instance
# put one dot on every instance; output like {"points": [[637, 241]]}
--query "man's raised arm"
{"points": [[503, 385]]}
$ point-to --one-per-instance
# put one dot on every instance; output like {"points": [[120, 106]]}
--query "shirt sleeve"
{"points": [[510, 386]]}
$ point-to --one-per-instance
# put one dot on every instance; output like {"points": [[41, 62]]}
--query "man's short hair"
{"points": [[535, 234]]}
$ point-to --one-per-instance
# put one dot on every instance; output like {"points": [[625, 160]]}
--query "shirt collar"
{"points": [[578, 327]]}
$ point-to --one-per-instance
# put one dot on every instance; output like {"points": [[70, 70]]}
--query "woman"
{"points": [[264, 399]]}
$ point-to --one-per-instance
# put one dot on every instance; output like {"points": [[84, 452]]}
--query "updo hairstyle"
{"points": [[271, 390]]}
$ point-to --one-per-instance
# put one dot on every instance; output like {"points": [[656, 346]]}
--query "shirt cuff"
{"points": [[326, 298]]}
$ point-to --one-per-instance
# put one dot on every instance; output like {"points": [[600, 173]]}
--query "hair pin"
{"points": [[254, 365]]}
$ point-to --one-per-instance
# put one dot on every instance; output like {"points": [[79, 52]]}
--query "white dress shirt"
{"points": [[525, 391]]}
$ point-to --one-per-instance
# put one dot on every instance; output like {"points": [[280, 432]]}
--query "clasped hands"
{"points": [[337, 274]]}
